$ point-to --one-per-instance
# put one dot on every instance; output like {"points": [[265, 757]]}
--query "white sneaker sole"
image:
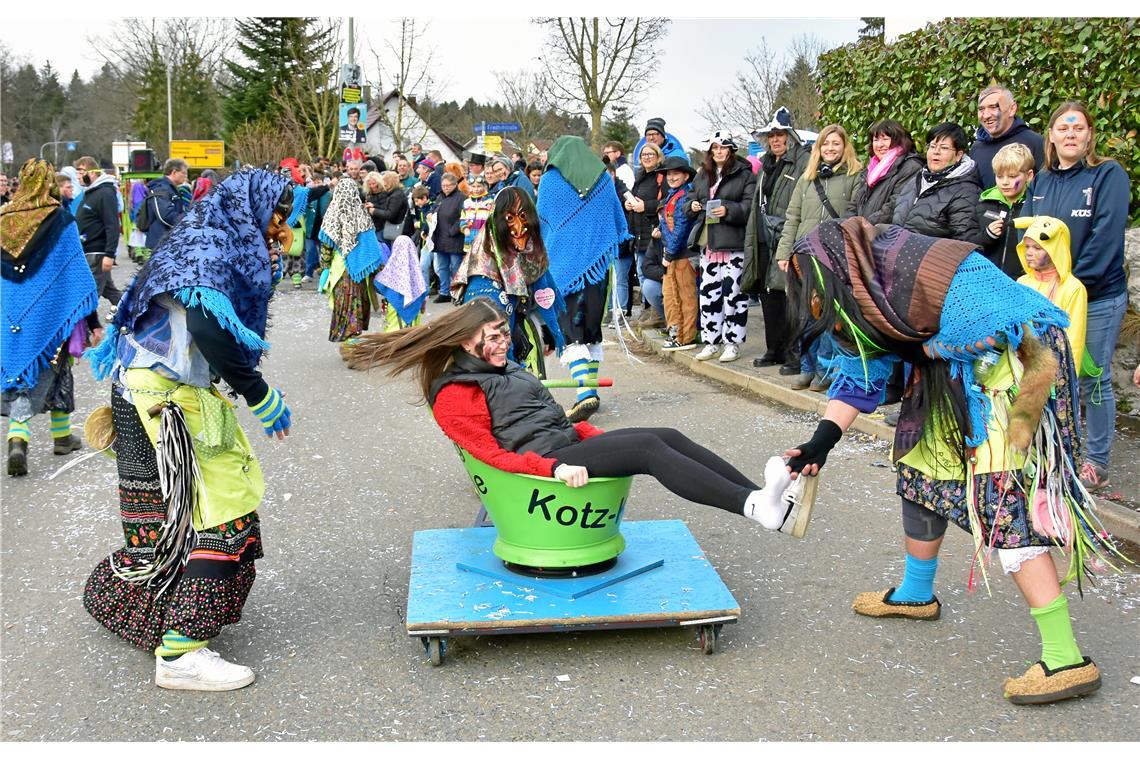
{"points": [[801, 498], [178, 683]]}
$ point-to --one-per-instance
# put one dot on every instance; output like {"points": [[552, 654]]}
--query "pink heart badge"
{"points": [[544, 297]]}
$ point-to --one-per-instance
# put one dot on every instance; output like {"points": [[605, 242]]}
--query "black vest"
{"points": [[524, 416]]}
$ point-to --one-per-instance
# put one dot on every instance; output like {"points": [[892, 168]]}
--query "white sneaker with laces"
{"points": [[731, 353], [708, 352], [201, 670]]}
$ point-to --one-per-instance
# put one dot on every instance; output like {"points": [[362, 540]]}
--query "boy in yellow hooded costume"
{"points": [[1048, 263]]}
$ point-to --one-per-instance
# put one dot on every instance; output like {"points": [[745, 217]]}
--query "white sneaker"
{"points": [[201, 670], [708, 352], [731, 353], [306, 278]]}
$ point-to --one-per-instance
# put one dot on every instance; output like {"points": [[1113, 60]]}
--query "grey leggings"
{"points": [[920, 523]]}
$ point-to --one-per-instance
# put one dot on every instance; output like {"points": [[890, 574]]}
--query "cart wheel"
{"points": [[436, 648], [707, 638]]}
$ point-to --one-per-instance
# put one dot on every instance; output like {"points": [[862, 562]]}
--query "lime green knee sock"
{"points": [[60, 424], [19, 430], [1058, 646], [174, 645]]}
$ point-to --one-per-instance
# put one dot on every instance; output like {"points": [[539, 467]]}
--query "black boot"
{"points": [[17, 457], [67, 445]]}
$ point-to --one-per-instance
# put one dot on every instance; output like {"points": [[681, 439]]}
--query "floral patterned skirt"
{"points": [[215, 582], [351, 308], [1003, 506]]}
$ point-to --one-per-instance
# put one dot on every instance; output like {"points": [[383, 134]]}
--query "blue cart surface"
{"points": [[458, 587]]}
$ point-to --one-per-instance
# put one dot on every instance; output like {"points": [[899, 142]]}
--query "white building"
{"points": [[379, 138]]}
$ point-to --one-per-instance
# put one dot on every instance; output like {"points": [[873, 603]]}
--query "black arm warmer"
{"points": [[815, 451], [221, 351]]}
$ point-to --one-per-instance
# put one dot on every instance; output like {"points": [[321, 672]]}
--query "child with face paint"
{"points": [[1044, 252], [1013, 168]]}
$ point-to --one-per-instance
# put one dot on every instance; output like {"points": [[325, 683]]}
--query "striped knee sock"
{"points": [[580, 370], [174, 645], [19, 430], [60, 424], [1058, 645], [918, 581]]}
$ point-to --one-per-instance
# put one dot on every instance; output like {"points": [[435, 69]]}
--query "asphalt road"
{"points": [[324, 625]]}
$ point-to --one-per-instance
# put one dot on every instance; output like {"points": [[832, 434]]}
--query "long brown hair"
{"points": [[847, 160], [423, 349], [1091, 158]]}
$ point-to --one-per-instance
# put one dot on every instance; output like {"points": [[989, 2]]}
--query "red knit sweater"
{"points": [[461, 410]]}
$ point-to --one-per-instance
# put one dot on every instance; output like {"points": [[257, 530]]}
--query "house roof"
{"points": [[374, 117]]}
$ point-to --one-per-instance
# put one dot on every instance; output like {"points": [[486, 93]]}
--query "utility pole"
{"points": [[169, 110], [351, 43]]}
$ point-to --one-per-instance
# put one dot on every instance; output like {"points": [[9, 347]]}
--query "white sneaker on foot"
{"points": [[782, 504], [201, 670], [709, 351], [731, 353]]}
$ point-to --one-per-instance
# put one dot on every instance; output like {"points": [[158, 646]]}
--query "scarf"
{"points": [[963, 167], [582, 228], [878, 167], [202, 186], [913, 288], [401, 281], [215, 257], [37, 197], [47, 288], [348, 227]]}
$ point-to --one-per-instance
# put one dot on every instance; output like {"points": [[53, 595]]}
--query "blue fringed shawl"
{"points": [[42, 310], [581, 234], [216, 257]]}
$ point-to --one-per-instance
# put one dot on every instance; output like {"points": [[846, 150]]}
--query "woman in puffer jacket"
{"points": [[942, 199], [892, 164], [824, 188]]}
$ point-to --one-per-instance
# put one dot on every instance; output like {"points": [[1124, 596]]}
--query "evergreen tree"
{"points": [[798, 92], [276, 50], [873, 28], [619, 127]]}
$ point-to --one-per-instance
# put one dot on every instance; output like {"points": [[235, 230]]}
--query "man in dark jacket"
{"points": [[942, 201], [165, 204], [99, 225], [448, 238], [1000, 126], [782, 164]]}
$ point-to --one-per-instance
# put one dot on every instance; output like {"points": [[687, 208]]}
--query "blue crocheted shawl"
{"points": [[215, 256], [582, 233], [43, 303]]}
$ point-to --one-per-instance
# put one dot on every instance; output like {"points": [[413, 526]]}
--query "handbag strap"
{"points": [[824, 199]]}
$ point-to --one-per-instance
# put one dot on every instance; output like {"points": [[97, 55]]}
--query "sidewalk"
{"points": [[766, 382]]}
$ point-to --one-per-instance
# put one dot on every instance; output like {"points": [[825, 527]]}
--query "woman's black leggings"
{"points": [[685, 468]]}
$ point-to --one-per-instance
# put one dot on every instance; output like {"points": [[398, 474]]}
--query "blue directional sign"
{"points": [[497, 126], [71, 146]]}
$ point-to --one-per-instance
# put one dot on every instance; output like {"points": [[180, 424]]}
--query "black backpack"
{"points": [[143, 220]]}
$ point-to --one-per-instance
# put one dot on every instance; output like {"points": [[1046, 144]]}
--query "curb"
{"points": [[1118, 519]]}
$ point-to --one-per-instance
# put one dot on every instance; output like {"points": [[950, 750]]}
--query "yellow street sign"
{"points": [[493, 143], [200, 154]]}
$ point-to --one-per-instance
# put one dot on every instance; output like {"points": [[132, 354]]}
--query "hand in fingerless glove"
{"points": [[273, 412], [815, 451]]}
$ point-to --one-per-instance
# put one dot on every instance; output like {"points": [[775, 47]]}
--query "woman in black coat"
{"points": [[721, 199], [385, 202], [892, 164], [448, 237], [942, 200]]}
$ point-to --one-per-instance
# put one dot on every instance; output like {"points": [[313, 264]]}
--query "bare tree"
{"points": [[593, 63], [405, 69], [752, 100], [264, 142], [524, 96]]}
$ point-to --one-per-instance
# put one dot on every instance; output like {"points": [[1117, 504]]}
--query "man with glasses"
{"points": [[1000, 126]]}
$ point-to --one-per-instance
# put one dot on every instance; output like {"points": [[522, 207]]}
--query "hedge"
{"points": [[934, 75]]}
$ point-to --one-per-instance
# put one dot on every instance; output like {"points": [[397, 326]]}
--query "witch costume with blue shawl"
{"points": [[940, 305], [583, 226], [189, 483], [48, 292]]}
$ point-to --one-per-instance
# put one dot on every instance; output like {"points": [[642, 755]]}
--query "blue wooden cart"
{"points": [[458, 587]]}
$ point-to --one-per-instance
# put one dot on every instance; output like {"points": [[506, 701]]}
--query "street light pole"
{"points": [[169, 110]]}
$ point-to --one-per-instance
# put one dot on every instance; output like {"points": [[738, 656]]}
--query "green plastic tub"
{"points": [[542, 522]]}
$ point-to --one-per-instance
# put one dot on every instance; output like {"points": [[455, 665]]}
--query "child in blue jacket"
{"points": [[679, 286]]}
